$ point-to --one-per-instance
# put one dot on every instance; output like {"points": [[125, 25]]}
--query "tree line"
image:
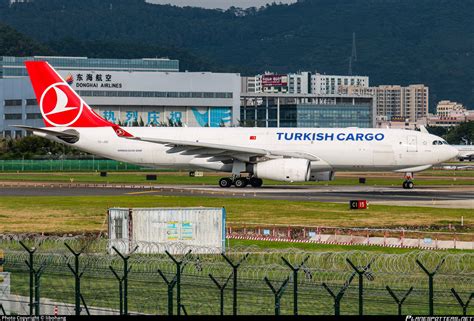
{"points": [[397, 42]]}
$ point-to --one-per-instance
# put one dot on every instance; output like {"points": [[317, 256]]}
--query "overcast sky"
{"points": [[223, 4]]}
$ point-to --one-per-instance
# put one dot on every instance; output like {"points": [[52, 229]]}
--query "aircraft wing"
{"points": [[223, 152]]}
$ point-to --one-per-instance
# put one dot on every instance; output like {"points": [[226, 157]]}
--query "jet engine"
{"points": [[322, 176], [284, 169]]}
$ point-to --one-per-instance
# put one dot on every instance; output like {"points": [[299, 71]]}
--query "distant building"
{"points": [[306, 110], [450, 121], [446, 108], [395, 102], [301, 83], [268, 83], [399, 123], [357, 91], [251, 84], [304, 100], [333, 84], [399, 102], [450, 114]]}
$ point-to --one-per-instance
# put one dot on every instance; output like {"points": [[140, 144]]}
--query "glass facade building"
{"points": [[307, 112], [324, 116], [15, 67]]}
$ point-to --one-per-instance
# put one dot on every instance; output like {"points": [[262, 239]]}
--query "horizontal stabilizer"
{"points": [[69, 135]]}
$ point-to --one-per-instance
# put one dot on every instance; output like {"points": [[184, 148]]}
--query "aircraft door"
{"points": [[411, 144]]}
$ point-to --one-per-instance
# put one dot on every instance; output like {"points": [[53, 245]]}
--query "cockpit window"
{"points": [[440, 142]]}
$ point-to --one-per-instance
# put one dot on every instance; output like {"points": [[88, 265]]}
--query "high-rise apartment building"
{"points": [[395, 102]]}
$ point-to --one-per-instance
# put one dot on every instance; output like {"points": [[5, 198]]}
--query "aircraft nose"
{"points": [[452, 152]]}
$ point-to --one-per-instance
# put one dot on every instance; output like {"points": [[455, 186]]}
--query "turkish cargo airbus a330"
{"points": [[248, 154]]}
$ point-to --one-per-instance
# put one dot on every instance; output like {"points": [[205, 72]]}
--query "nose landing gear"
{"points": [[408, 183]]}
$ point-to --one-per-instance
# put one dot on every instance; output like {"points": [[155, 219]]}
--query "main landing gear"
{"points": [[240, 181], [408, 183]]}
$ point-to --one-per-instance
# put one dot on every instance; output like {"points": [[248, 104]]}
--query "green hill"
{"points": [[398, 41], [13, 43]]}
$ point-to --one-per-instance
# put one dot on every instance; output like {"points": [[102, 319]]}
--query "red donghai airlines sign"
{"points": [[274, 80]]}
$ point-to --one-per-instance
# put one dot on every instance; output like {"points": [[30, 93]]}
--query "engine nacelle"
{"points": [[322, 176], [284, 169]]}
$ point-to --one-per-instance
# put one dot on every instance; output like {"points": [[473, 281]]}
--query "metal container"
{"points": [[176, 230], [5, 293]]}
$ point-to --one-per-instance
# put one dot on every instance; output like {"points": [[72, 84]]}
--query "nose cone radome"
{"points": [[451, 152]]}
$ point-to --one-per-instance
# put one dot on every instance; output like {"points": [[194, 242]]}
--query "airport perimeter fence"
{"points": [[66, 165], [76, 275]]}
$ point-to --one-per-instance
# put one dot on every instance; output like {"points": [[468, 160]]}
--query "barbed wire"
{"points": [[399, 271]]}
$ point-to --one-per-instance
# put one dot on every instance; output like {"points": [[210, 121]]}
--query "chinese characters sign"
{"points": [[92, 80]]}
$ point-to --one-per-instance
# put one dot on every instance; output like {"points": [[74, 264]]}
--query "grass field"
{"points": [[88, 213], [434, 177]]}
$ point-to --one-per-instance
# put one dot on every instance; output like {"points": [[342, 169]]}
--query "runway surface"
{"points": [[439, 196]]}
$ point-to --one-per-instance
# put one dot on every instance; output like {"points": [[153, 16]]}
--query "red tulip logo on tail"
{"points": [[58, 108]]}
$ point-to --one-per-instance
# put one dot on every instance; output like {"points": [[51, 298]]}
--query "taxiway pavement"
{"points": [[437, 196]]}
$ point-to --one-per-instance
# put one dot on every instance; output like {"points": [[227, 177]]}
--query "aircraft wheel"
{"points": [[256, 182], [225, 182], [408, 185], [241, 182]]}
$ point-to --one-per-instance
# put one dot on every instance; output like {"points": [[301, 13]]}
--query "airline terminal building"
{"points": [[130, 92]]}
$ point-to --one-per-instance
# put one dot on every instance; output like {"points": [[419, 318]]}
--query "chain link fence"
{"points": [[76, 275]]}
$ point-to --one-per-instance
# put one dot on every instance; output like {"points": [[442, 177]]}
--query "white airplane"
{"points": [[466, 152], [248, 154]]}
